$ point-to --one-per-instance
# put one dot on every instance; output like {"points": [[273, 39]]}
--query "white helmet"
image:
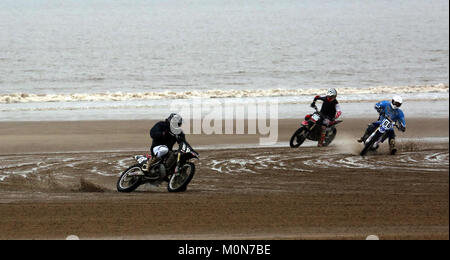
{"points": [[397, 102], [331, 94]]}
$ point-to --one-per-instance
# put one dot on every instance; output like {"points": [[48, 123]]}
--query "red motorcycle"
{"points": [[310, 129]]}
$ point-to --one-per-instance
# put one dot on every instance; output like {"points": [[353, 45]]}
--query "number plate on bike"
{"points": [[386, 124], [141, 160], [185, 149], [315, 117]]}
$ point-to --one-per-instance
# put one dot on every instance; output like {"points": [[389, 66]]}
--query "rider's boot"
{"points": [[150, 163], [365, 136], [322, 139], [392, 147]]}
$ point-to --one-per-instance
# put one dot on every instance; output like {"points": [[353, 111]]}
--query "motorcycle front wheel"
{"points": [[368, 145], [179, 181], [298, 138]]}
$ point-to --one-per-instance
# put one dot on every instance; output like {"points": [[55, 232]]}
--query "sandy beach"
{"points": [[82, 83], [58, 179]]}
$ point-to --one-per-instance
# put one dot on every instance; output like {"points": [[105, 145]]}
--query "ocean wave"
{"points": [[119, 96]]}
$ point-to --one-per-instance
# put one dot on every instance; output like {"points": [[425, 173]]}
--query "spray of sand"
{"points": [[87, 186], [347, 144]]}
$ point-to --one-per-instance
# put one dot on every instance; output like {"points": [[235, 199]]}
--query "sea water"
{"points": [[98, 59]]}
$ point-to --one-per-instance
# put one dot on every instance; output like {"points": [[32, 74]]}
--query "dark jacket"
{"points": [[160, 133], [328, 108]]}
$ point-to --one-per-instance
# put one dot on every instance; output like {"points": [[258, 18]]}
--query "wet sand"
{"points": [[59, 179], [38, 137]]}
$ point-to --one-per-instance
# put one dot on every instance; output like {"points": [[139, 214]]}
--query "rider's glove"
{"points": [[180, 137], [313, 104], [379, 109]]}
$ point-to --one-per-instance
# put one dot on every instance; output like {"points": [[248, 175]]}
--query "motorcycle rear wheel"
{"points": [[368, 145], [330, 138], [128, 183], [298, 138]]}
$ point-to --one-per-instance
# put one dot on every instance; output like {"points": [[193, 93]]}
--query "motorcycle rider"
{"points": [[330, 108], [165, 134], [392, 110]]}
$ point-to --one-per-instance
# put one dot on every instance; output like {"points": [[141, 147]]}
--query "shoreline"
{"points": [[199, 109]]}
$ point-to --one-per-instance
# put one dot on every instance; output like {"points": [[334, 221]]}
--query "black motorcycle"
{"points": [[175, 168], [310, 129]]}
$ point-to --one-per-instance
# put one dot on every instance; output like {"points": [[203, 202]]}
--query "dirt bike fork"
{"points": [[312, 128], [377, 142], [177, 168]]}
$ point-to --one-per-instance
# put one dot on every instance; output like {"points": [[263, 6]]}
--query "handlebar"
{"points": [[186, 143], [390, 119], [194, 151], [387, 117]]}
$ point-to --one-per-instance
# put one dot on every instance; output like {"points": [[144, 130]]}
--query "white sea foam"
{"points": [[256, 93]]}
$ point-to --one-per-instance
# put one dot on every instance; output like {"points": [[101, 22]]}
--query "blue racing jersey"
{"points": [[385, 108]]}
